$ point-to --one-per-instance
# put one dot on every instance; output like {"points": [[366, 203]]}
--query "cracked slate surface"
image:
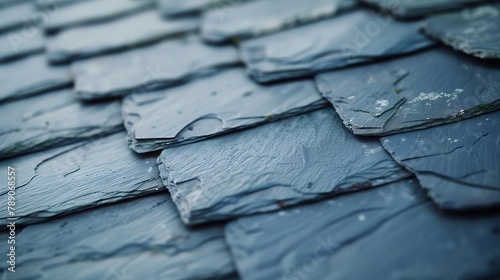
{"points": [[426, 89], [136, 30], [283, 163], [31, 76], [419, 8], [473, 31], [85, 175], [256, 18], [92, 12], [143, 238], [330, 44], [210, 106], [343, 238], [144, 69], [14, 45], [54, 119], [459, 163], [12, 16]]}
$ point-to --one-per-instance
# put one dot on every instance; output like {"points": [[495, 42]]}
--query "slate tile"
{"points": [[31, 76], [426, 89], [473, 31], [459, 163], [143, 28], [274, 166], [412, 8], [350, 38], [174, 8], [54, 119], [17, 44], [161, 65], [69, 179], [392, 232], [211, 106], [13, 16], [139, 239], [257, 18], [91, 12]]}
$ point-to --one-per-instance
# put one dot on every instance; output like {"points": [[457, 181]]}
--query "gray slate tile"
{"points": [[143, 28], [419, 8], [54, 119], [17, 44], [257, 18], [426, 89], [273, 166], [459, 164], [92, 12], [12, 16], [473, 31], [173, 8], [140, 239], [161, 65], [350, 38], [392, 233], [31, 76], [69, 179], [210, 106]]}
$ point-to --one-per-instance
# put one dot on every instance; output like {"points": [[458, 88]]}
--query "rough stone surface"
{"points": [[391, 232], [256, 18], [459, 164], [14, 45], [430, 88], [271, 167], [54, 119], [473, 31], [211, 106], [31, 76], [73, 178], [143, 238], [419, 8], [350, 38], [12, 16], [145, 69], [143, 28], [91, 12]]}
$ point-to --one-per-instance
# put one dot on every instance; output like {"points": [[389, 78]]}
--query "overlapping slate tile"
{"points": [[54, 119], [473, 31], [458, 163], [143, 28], [270, 167], [13, 16], [17, 44], [91, 12], [392, 232], [426, 89], [69, 179], [31, 76], [161, 65], [143, 238], [210, 106], [172, 8], [350, 38], [261, 17], [419, 8]]}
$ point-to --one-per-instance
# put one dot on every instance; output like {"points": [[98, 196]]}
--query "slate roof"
{"points": [[251, 139]]}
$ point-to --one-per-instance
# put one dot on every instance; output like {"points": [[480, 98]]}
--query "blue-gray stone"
{"points": [[140, 239], [459, 163], [173, 8], [14, 16], [210, 106], [349, 38], [31, 76], [392, 232], [17, 44], [54, 119], [161, 65], [473, 31], [256, 18], [422, 90], [121, 34], [274, 166], [72, 178]]}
